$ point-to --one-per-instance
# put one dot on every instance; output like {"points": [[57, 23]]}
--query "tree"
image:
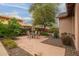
{"points": [[43, 14], [14, 27], [11, 29], [2, 29]]}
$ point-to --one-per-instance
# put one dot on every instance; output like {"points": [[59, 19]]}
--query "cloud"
{"points": [[27, 18], [62, 8], [17, 6], [15, 14], [11, 14]]}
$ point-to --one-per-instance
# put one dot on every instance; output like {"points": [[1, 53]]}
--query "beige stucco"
{"points": [[5, 20], [66, 25], [77, 27]]}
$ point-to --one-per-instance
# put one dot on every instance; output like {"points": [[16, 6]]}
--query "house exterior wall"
{"points": [[66, 25], [71, 25], [5, 20], [77, 26]]}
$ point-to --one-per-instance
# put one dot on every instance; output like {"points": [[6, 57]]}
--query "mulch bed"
{"points": [[17, 52]]}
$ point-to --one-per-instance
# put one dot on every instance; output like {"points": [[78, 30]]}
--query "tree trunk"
{"points": [[44, 27]]}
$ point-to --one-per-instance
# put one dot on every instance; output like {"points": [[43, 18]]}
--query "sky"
{"points": [[20, 10]]}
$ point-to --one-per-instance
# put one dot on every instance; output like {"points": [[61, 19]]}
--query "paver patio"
{"points": [[34, 46], [3, 51]]}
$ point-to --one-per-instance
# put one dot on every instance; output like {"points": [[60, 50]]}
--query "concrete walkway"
{"points": [[3, 51], [34, 46]]}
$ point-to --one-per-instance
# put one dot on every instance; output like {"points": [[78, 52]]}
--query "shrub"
{"points": [[24, 31], [51, 30], [56, 34], [67, 39], [9, 43], [55, 31], [11, 29], [44, 33]]}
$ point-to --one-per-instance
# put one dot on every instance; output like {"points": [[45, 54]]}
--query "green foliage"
{"points": [[14, 27], [43, 14], [44, 33], [9, 43], [3, 29], [51, 30], [55, 31], [56, 34], [11, 29], [23, 32]]}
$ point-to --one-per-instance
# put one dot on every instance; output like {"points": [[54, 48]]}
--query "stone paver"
{"points": [[3, 51], [34, 46]]}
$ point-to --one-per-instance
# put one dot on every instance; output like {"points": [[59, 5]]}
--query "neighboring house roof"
{"points": [[62, 15], [21, 22], [7, 18], [70, 11]]}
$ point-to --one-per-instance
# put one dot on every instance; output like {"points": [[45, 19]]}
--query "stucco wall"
{"points": [[66, 25], [77, 27]]}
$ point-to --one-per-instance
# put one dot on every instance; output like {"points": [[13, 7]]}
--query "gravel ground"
{"points": [[17, 52], [69, 51]]}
